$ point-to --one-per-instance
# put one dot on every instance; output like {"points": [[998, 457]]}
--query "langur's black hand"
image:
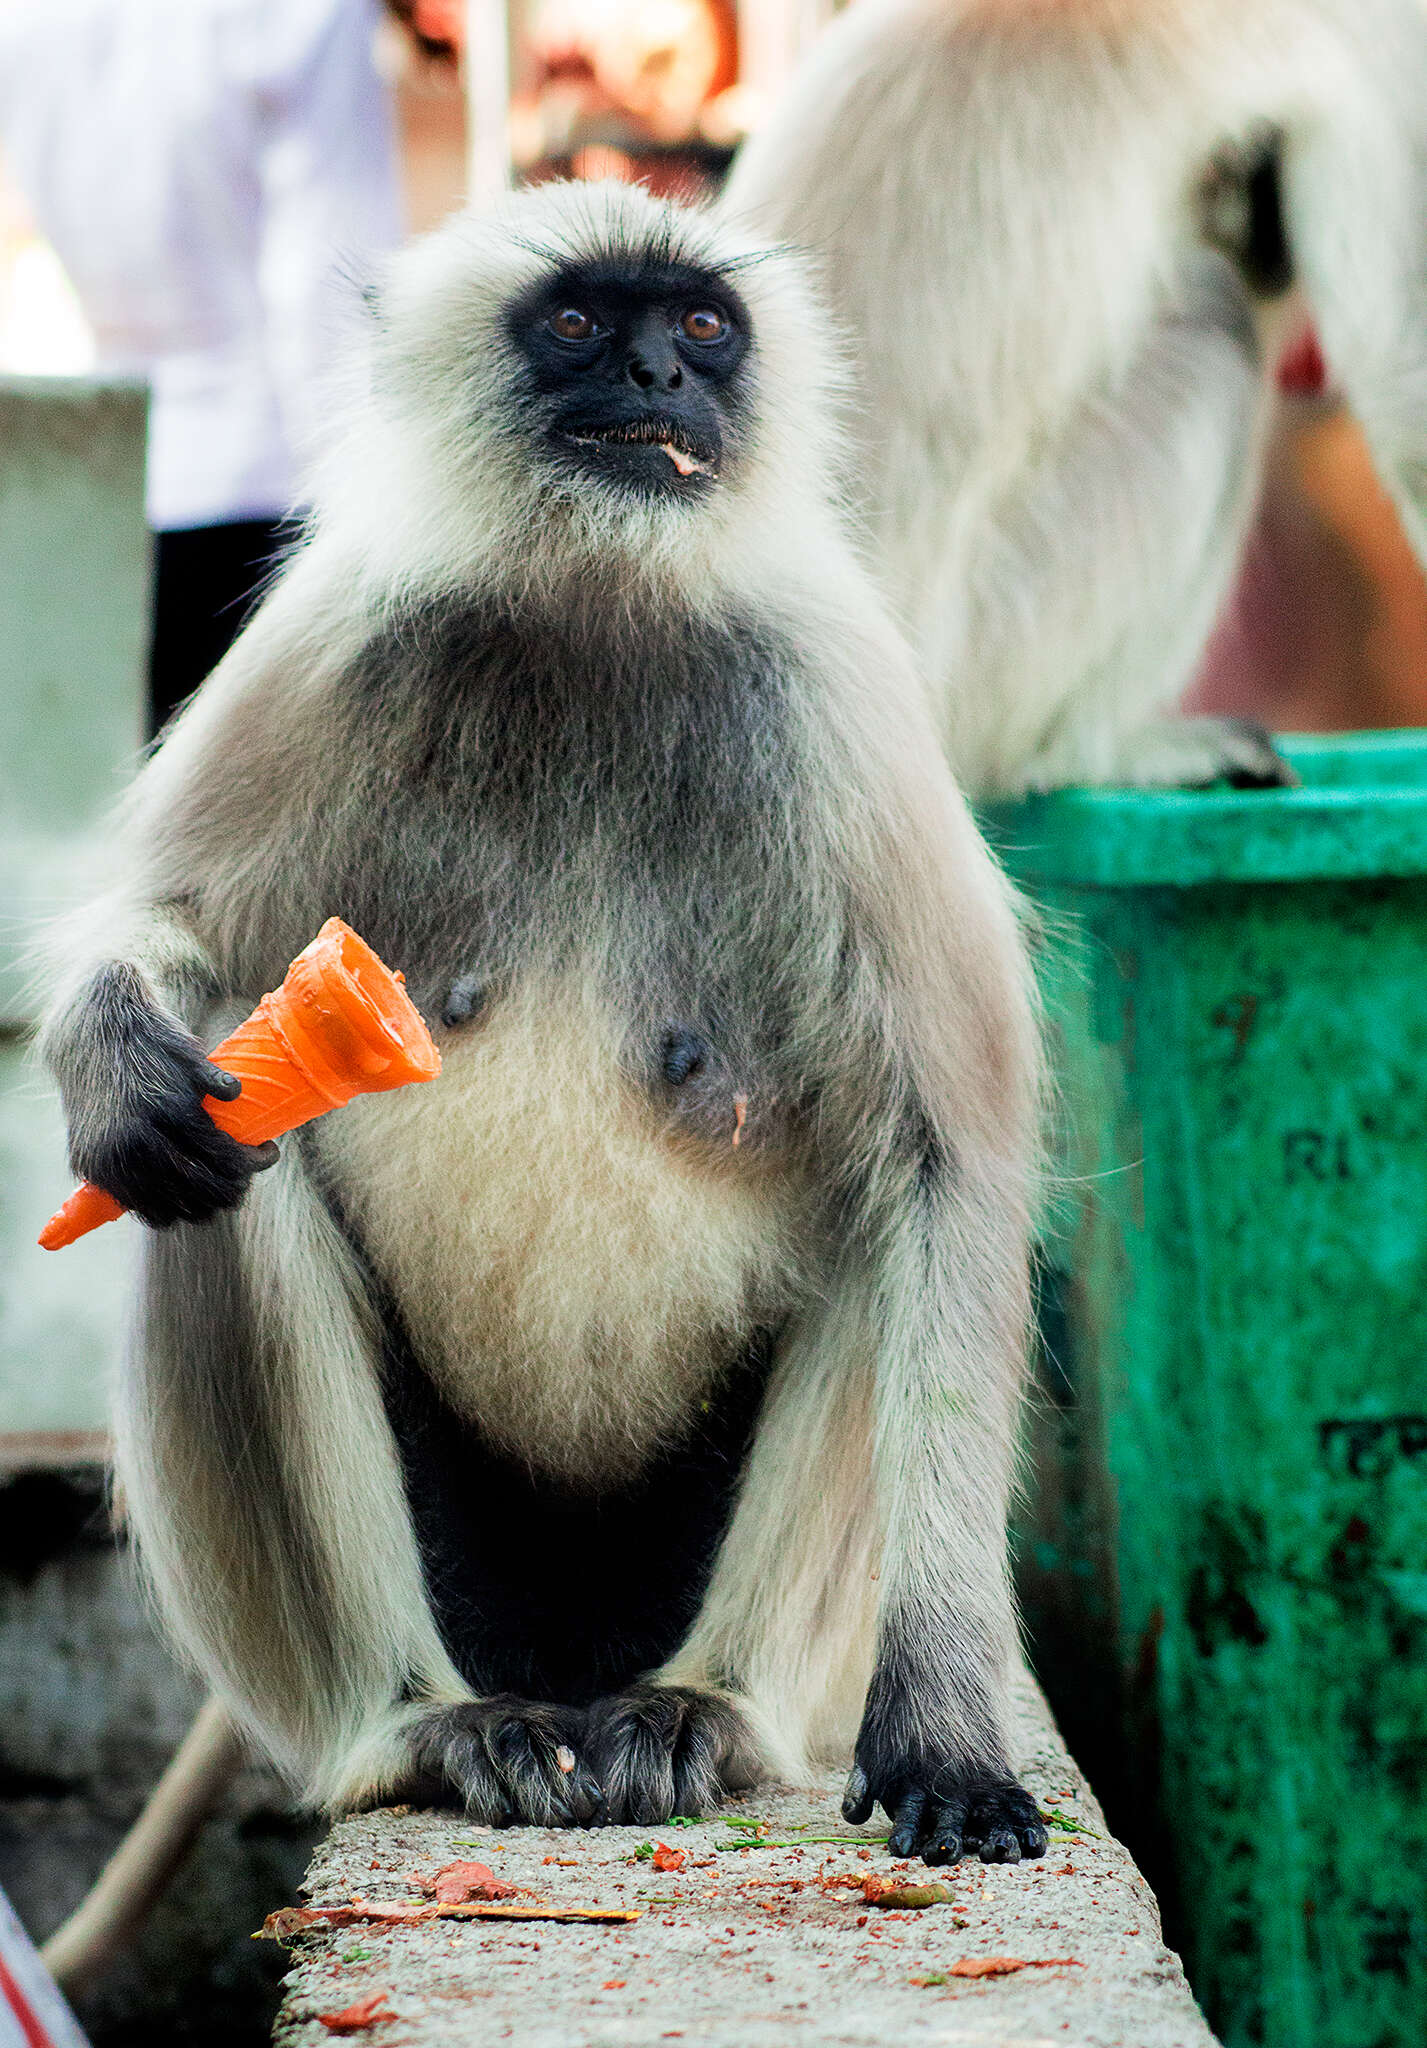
{"points": [[941, 1813], [138, 1127]]}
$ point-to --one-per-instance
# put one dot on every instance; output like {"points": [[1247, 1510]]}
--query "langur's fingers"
{"points": [[857, 1797], [217, 1082], [999, 1845], [907, 1824], [944, 1842], [264, 1156]]}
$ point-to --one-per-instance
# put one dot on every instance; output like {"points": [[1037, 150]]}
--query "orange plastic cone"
{"points": [[341, 1025]]}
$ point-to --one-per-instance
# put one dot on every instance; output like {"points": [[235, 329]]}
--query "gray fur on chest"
{"points": [[574, 793]]}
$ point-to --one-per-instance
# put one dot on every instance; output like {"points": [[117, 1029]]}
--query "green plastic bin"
{"points": [[1223, 1560]]}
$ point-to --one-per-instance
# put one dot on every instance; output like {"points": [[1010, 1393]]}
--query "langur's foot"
{"points": [[1172, 753], [506, 1760], [660, 1750], [1233, 750], [944, 1814]]}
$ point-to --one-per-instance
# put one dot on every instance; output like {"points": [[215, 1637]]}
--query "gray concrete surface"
{"points": [[749, 1948]]}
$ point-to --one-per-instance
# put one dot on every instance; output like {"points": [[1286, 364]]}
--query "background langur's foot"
{"points": [[1171, 753], [661, 1750], [941, 1815], [506, 1760]]}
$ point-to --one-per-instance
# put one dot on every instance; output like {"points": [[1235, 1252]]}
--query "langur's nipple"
{"points": [[685, 1054], [465, 1002]]}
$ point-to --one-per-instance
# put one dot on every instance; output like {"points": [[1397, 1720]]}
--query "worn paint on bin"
{"points": [[1224, 1563]]}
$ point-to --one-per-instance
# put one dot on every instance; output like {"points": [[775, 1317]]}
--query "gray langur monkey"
{"points": [[629, 1413], [1068, 238]]}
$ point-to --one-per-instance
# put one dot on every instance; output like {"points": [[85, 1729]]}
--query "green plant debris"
{"points": [[803, 1841], [686, 1820], [925, 1983], [357, 1955], [1065, 1826], [643, 1853]]}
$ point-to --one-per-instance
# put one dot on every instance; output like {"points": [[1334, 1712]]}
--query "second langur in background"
{"points": [[1070, 237], [630, 1413]]}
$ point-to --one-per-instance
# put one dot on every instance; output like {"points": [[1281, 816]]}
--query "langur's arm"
{"points": [[938, 1263], [132, 1076], [1355, 190], [136, 974], [869, 1543], [945, 1294]]}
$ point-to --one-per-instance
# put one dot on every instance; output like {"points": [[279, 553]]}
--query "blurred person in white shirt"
{"points": [[218, 177]]}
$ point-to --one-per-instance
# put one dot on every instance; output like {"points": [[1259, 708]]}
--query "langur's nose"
{"points": [[654, 370]]}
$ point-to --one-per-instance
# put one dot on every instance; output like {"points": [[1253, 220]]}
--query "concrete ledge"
{"points": [[748, 1948]]}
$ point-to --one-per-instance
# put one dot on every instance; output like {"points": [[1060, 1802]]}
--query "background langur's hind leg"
{"points": [[1100, 578]]}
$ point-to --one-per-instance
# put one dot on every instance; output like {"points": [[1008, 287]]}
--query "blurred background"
{"points": [[192, 193]]}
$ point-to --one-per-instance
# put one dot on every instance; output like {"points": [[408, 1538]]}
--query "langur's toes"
{"points": [[943, 1843], [662, 1750], [907, 1824], [1252, 759], [999, 1845], [506, 1761]]}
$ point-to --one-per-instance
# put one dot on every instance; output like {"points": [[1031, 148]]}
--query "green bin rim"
{"points": [[1361, 813]]}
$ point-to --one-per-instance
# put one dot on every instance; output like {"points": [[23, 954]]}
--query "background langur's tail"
{"points": [[1355, 204], [263, 1484]]}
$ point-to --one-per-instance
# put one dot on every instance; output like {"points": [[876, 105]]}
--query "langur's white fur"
{"points": [[568, 1265], [1065, 387]]}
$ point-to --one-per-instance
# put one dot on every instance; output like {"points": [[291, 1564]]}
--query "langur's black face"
{"points": [[634, 372]]}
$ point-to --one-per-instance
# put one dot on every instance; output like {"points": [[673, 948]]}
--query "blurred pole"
{"points": [[485, 64]]}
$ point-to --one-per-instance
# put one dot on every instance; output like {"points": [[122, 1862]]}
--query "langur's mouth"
{"points": [[663, 438]]}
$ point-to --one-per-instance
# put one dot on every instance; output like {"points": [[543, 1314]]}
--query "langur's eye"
{"points": [[573, 323], [703, 323]]}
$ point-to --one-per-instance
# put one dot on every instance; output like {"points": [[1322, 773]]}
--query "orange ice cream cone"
{"points": [[341, 1025]]}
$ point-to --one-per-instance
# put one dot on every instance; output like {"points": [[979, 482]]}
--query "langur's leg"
{"points": [[1102, 578], [784, 1638], [265, 1490], [550, 1597]]}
